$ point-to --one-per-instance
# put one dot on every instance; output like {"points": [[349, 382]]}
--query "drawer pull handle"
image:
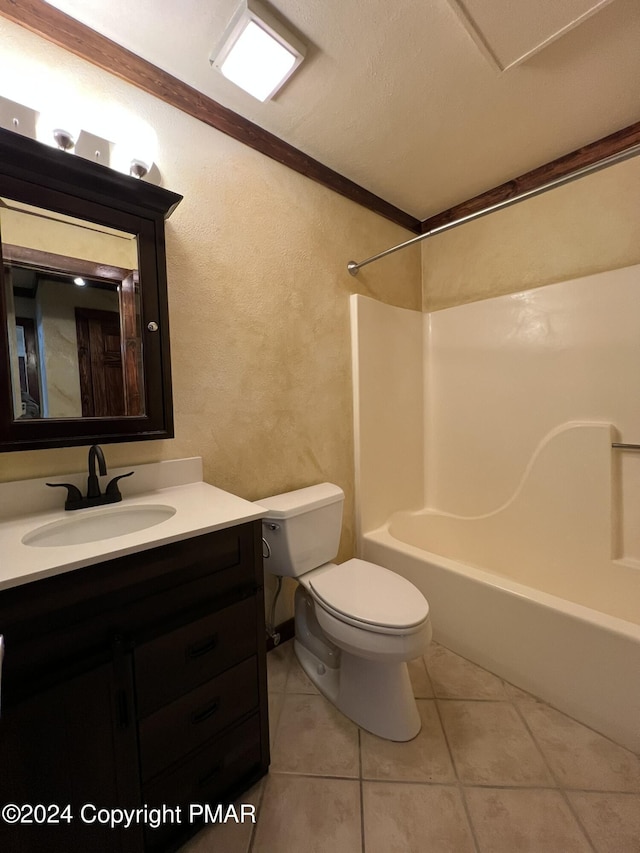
{"points": [[211, 775], [200, 716], [199, 649]]}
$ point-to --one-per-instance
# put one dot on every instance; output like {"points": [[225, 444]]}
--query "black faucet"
{"points": [[94, 496], [93, 486]]}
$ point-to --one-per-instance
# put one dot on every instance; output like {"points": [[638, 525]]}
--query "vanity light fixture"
{"points": [[113, 137], [257, 52]]}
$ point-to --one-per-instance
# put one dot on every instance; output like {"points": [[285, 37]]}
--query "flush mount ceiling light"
{"points": [[257, 52]]}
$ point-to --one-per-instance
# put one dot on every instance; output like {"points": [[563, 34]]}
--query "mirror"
{"points": [[73, 315], [84, 323]]}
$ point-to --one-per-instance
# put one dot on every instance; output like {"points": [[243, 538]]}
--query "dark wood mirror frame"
{"points": [[35, 174]]}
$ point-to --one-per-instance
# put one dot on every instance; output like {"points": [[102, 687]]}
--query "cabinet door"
{"points": [[73, 744]]}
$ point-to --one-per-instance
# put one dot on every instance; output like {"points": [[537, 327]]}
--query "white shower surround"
{"points": [[499, 417]]}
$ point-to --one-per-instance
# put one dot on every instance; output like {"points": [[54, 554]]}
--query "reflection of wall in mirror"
{"points": [[13, 341], [28, 356], [65, 238], [56, 304]]}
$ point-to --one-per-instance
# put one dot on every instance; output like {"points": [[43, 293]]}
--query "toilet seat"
{"points": [[370, 597]]}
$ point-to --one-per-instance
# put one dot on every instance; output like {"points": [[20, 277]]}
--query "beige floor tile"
{"points": [[297, 680], [315, 738], [580, 757], [420, 682], [491, 745], [454, 677], [305, 815], [230, 837], [423, 759], [612, 820], [278, 663], [524, 821], [406, 818]]}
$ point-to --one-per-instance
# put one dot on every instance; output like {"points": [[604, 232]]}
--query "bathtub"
{"points": [[582, 661]]}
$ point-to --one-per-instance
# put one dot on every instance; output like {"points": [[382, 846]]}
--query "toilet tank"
{"points": [[302, 529]]}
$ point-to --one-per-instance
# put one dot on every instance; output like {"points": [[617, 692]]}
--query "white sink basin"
{"points": [[98, 524]]}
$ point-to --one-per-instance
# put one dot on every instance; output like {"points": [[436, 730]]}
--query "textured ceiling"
{"points": [[404, 98]]}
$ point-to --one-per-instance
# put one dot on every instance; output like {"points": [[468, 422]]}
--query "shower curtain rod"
{"points": [[633, 151]]}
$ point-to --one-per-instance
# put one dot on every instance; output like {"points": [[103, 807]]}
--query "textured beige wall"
{"points": [[589, 226], [259, 301]]}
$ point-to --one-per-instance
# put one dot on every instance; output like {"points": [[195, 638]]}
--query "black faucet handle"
{"points": [[73, 494], [112, 487]]}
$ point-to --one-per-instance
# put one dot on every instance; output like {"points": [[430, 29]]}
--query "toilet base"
{"points": [[377, 696]]}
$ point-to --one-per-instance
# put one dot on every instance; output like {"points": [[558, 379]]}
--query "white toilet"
{"points": [[356, 624]]}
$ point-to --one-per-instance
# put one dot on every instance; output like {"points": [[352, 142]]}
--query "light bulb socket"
{"points": [[138, 169], [64, 140]]}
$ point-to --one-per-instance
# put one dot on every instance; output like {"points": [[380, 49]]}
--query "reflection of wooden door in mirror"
{"points": [[100, 363], [131, 345]]}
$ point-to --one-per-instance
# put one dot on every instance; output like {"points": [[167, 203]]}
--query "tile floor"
{"points": [[493, 770]]}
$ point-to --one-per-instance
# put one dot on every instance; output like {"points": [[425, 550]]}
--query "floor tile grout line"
{"points": [[450, 784], [560, 786], [571, 789], [460, 786], [332, 776], [361, 784], [479, 699], [254, 828]]}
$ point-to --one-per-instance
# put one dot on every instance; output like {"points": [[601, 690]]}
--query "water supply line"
{"points": [[270, 627], [633, 151]]}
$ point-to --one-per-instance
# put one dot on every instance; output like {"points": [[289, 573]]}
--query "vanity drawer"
{"points": [[184, 724], [178, 661], [228, 764], [46, 622]]}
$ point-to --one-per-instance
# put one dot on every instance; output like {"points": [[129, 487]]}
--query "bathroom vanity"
{"points": [[132, 639], [137, 680]]}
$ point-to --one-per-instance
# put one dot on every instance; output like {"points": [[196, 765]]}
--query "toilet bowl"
{"points": [[356, 623]]}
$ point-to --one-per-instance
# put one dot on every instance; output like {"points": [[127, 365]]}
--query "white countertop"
{"points": [[200, 508]]}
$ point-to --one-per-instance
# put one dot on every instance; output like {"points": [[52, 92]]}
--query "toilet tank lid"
{"points": [[301, 500]]}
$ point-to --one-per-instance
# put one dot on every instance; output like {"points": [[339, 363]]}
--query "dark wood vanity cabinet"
{"points": [[136, 683]]}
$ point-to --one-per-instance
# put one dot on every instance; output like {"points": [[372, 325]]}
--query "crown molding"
{"points": [[585, 156]]}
